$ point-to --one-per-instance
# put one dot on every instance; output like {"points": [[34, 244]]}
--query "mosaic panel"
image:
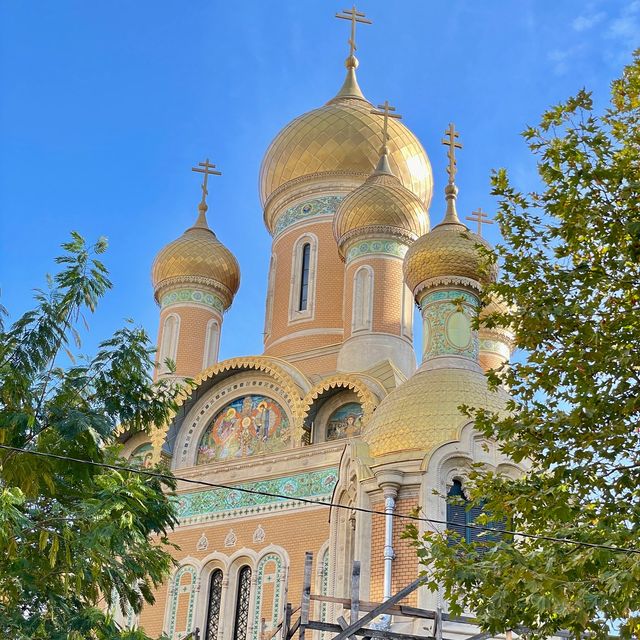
{"points": [[143, 455], [313, 484], [182, 296], [386, 247], [325, 205], [447, 317], [345, 421], [246, 426]]}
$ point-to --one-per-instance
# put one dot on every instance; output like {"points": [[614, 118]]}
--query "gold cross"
{"points": [[386, 110], [480, 217], [354, 16], [209, 170], [453, 144]]}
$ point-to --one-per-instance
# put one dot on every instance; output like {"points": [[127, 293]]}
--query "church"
{"points": [[338, 409]]}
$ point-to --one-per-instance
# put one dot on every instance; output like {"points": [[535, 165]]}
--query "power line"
{"points": [[404, 516]]}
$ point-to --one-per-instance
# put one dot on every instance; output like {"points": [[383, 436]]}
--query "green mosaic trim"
{"points": [[257, 608], [495, 346], [313, 484], [386, 247], [325, 205], [447, 317], [450, 294], [175, 595], [182, 296]]}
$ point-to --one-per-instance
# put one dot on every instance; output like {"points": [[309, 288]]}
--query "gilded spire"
{"points": [[350, 87], [451, 190], [207, 169], [386, 111]]}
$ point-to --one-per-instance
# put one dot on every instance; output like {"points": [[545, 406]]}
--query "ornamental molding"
{"points": [[446, 281], [259, 535], [325, 205], [370, 233], [192, 296], [168, 284], [345, 381], [203, 543], [376, 246]]}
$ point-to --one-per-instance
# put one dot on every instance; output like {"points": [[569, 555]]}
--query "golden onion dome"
{"points": [[197, 257], [381, 202], [343, 138], [449, 250], [423, 412]]}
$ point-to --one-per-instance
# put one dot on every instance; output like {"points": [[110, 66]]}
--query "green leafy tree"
{"points": [[77, 540], [571, 277]]}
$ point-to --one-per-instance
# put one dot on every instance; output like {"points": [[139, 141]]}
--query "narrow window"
{"points": [[212, 342], [362, 299], [304, 277], [213, 610], [242, 604], [169, 342]]}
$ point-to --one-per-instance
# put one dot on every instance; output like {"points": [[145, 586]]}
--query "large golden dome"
{"points": [[343, 137], [381, 201], [449, 250], [197, 257], [423, 412]]}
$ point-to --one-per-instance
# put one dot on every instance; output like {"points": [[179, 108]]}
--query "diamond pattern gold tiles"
{"points": [[381, 201], [197, 253], [449, 250], [423, 413], [344, 136]]}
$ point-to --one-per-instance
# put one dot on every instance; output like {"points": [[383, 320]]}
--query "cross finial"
{"points": [[480, 217], [453, 144], [209, 170], [386, 111], [354, 16]]}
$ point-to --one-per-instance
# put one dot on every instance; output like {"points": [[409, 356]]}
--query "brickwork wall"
{"points": [[387, 294], [295, 531], [328, 288], [192, 336]]}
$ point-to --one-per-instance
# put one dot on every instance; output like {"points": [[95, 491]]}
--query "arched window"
{"points": [[169, 349], [211, 344], [242, 604], [213, 609], [270, 292], [303, 278], [459, 516], [305, 264], [407, 312], [362, 299]]}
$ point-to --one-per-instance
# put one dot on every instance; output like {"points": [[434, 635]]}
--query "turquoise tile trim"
{"points": [[277, 593], [176, 591], [376, 246], [325, 205], [182, 296], [313, 484], [450, 294]]}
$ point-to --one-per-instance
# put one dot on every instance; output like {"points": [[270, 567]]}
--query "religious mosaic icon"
{"points": [[246, 426], [142, 456], [345, 422]]}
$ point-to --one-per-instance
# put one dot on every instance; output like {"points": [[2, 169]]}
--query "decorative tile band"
{"points": [[181, 296], [377, 245], [447, 317], [495, 346], [202, 505], [324, 205]]}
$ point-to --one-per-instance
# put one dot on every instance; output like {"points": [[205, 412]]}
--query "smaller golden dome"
{"points": [[197, 257], [381, 201], [423, 412], [449, 250]]}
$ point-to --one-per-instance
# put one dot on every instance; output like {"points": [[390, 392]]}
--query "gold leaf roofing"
{"points": [[381, 201], [197, 253], [423, 412], [343, 136], [449, 250]]}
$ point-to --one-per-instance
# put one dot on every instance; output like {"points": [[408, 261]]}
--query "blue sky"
{"points": [[106, 105]]}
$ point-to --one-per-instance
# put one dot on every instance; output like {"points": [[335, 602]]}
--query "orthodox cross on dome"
{"points": [[209, 170], [386, 111], [481, 217], [354, 16], [453, 144]]}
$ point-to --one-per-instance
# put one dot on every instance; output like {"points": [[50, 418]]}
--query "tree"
{"points": [[571, 279], [76, 539]]}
